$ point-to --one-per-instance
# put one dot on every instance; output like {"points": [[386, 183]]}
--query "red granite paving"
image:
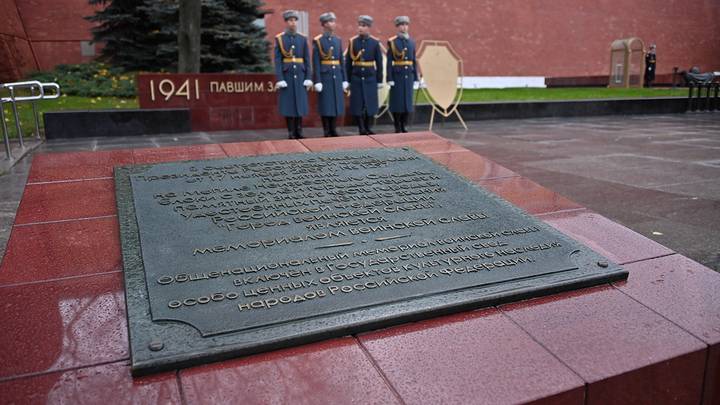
{"points": [[103, 384], [528, 195], [611, 240], [679, 289], [47, 202], [334, 371], [339, 143], [652, 339], [57, 250], [624, 351], [77, 165], [687, 294], [471, 166], [63, 324], [711, 394], [175, 153], [471, 357], [263, 148], [423, 142]]}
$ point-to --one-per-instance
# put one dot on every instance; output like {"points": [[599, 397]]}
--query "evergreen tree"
{"points": [[142, 35]]}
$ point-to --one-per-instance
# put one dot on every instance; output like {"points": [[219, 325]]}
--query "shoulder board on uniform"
{"points": [[392, 38], [353, 38], [375, 38], [318, 37], [279, 35]]}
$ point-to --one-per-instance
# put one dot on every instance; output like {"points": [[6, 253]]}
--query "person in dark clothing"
{"points": [[364, 66], [650, 61], [292, 70], [329, 74], [402, 73]]}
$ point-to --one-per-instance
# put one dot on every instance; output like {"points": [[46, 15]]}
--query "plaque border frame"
{"points": [[167, 345]]}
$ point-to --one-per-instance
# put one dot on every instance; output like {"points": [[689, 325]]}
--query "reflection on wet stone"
{"points": [[238, 253]]}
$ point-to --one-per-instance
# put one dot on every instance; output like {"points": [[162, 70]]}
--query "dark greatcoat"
{"points": [[364, 79], [328, 49], [650, 62], [401, 94], [293, 98]]}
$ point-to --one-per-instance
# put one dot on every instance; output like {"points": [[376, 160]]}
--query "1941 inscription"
{"points": [[293, 248]]}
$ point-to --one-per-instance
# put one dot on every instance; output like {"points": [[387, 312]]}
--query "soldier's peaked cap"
{"points": [[288, 14], [365, 19], [403, 19], [325, 17]]}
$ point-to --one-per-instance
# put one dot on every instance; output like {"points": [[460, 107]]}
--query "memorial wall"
{"points": [[512, 38]]}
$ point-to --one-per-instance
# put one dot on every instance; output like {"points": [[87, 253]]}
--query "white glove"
{"points": [[422, 83], [391, 84], [380, 86], [281, 84], [308, 84], [416, 85], [346, 85], [318, 87]]}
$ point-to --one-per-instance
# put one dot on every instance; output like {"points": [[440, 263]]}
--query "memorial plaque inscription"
{"points": [[236, 256]]}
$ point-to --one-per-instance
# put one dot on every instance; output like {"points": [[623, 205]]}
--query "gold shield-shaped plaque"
{"points": [[440, 68], [442, 71], [384, 91]]}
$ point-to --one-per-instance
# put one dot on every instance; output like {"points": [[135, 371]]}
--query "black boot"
{"points": [[291, 127], [361, 125], [396, 122], [332, 123], [298, 128], [326, 126], [403, 122], [368, 124]]}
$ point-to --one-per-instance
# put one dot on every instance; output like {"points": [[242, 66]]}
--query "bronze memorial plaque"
{"points": [[236, 256]]}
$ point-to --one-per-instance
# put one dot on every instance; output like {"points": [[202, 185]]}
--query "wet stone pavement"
{"points": [[658, 175]]}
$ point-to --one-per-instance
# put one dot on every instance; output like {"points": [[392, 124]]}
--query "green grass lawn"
{"points": [[60, 104], [564, 93]]}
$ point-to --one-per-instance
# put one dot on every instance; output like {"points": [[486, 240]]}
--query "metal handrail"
{"points": [[34, 86], [31, 85], [6, 136], [57, 91]]}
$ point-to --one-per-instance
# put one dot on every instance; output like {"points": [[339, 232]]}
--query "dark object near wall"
{"points": [[126, 122], [706, 98], [694, 77]]}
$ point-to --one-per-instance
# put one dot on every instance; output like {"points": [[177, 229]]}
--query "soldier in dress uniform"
{"points": [[292, 67], [329, 74], [364, 68], [402, 74], [650, 61]]}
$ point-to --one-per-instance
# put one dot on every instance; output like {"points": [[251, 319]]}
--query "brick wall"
{"points": [[16, 57], [552, 38], [41, 34], [56, 28]]}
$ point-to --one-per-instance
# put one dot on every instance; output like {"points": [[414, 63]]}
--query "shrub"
{"points": [[90, 80]]}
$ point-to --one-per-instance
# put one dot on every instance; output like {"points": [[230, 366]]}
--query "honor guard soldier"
{"points": [[292, 66], [364, 68], [650, 61], [329, 74], [402, 73]]}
